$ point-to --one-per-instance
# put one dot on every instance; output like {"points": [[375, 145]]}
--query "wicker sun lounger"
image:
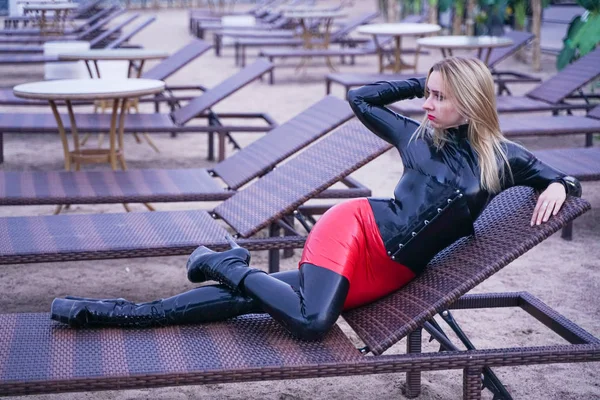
{"points": [[86, 34], [339, 36], [8, 50], [550, 95], [160, 71], [266, 203], [38, 355], [68, 31], [501, 78], [174, 122], [85, 10], [160, 185]]}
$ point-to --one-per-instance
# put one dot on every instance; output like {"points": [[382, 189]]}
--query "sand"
{"points": [[566, 275]]}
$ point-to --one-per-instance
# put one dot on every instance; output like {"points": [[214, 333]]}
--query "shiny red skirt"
{"points": [[346, 240]]}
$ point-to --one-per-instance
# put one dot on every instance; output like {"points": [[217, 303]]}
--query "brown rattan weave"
{"points": [[254, 160], [41, 356], [97, 236]]}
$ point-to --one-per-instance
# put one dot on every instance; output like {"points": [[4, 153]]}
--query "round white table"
{"points": [[480, 43], [130, 55], [398, 30], [67, 90], [316, 29], [60, 10]]}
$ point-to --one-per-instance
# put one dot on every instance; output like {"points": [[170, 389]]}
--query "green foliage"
{"points": [[583, 34]]}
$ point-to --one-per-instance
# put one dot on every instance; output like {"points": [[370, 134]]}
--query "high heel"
{"points": [[229, 267]]}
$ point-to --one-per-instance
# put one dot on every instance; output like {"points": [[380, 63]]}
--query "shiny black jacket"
{"points": [[439, 195]]}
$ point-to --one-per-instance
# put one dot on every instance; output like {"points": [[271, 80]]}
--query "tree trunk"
{"points": [[536, 29], [470, 22], [433, 12], [459, 8]]}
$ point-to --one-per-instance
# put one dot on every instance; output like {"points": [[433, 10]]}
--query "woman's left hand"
{"points": [[549, 203]]}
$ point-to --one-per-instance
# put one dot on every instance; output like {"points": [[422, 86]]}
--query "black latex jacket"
{"points": [[439, 196]]}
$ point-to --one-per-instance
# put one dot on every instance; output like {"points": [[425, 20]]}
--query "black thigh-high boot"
{"points": [[307, 309], [203, 304]]}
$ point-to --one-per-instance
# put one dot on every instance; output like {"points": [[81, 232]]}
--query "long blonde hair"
{"points": [[470, 86]]}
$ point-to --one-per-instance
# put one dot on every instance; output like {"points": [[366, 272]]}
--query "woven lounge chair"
{"points": [[501, 78], [160, 185], [85, 10], [42, 356], [68, 31], [550, 95], [86, 34], [101, 41], [174, 122], [266, 203], [8, 50], [160, 71], [339, 36]]}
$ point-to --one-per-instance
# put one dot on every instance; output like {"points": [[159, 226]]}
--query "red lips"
{"points": [[431, 117]]}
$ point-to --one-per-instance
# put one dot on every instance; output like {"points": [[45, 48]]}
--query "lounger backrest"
{"points": [[85, 8], [291, 184], [177, 60], [382, 41], [93, 28], [109, 32], [571, 78], [352, 24], [97, 17], [502, 233], [126, 36], [594, 112], [261, 155], [212, 96], [520, 39]]}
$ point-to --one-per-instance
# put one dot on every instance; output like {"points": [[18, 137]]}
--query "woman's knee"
{"points": [[312, 328]]}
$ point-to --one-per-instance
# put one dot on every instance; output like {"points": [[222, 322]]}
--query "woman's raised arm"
{"points": [[368, 103]]}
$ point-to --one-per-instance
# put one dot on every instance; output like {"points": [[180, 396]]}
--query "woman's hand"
{"points": [[549, 203]]}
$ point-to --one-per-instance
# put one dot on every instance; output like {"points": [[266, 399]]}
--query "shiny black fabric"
{"points": [[307, 304], [439, 195]]}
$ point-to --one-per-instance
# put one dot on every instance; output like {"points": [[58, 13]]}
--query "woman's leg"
{"points": [[203, 304], [309, 308]]}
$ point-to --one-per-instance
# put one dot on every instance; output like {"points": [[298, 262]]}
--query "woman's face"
{"points": [[441, 111]]}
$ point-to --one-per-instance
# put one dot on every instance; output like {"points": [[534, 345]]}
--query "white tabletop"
{"points": [[464, 42], [114, 54], [88, 89], [305, 13], [398, 29], [50, 7]]}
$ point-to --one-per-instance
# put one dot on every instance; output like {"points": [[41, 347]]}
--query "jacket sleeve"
{"points": [[368, 103], [527, 170]]}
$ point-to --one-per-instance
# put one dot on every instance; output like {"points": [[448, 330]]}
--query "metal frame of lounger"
{"points": [[550, 95], [267, 204], [337, 37], [160, 71], [38, 355], [160, 185], [175, 122], [86, 34]]}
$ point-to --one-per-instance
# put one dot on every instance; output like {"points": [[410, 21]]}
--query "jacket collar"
{"points": [[458, 132]]}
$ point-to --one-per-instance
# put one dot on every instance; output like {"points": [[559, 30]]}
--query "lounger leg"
{"points": [[327, 86], [472, 383], [413, 379], [274, 231], [1, 147], [567, 231], [287, 253]]}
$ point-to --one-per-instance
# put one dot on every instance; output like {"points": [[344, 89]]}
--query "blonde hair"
{"points": [[470, 87]]}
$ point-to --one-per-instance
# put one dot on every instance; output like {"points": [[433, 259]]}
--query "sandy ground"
{"points": [[566, 275]]}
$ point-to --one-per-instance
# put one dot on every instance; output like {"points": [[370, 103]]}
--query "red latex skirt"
{"points": [[346, 240]]}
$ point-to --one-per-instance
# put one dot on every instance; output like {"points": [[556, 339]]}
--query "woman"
{"points": [[364, 249]]}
